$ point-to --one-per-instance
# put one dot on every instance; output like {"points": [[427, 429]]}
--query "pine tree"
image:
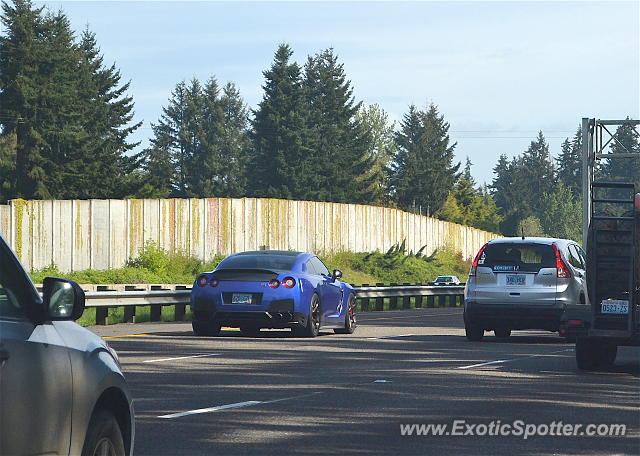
{"points": [[7, 166], [562, 217], [467, 172], [502, 183], [569, 164], [535, 175], [624, 169], [380, 149], [22, 51], [281, 167], [340, 141], [69, 115], [107, 115], [422, 170], [170, 143], [235, 142]]}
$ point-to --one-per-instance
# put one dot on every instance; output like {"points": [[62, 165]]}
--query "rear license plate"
{"points": [[614, 306], [516, 280], [241, 298]]}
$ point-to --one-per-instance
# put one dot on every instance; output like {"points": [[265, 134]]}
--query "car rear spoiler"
{"points": [[246, 275]]}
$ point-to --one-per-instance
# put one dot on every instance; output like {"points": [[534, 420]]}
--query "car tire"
{"points": [[103, 436], [250, 331], [474, 333], [312, 328], [350, 322], [201, 328], [502, 333]]}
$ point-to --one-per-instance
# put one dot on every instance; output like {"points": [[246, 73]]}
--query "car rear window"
{"points": [[270, 262], [517, 257]]}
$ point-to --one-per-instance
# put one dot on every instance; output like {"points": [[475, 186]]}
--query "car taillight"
{"points": [[202, 281], [289, 282], [275, 283], [214, 282], [474, 265], [561, 266]]}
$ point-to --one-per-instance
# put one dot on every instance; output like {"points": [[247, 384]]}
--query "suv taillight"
{"points": [[474, 265], [561, 266]]}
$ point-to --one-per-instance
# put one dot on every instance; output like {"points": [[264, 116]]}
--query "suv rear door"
{"points": [[516, 273]]}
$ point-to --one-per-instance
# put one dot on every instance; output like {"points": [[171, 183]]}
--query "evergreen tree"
{"points": [[235, 142], [530, 226], [281, 166], [467, 172], [340, 141], [624, 169], [201, 143], [23, 50], [519, 185], [7, 166], [170, 144], [535, 175], [380, 148], [569, 164], [451, 210], [466, 206], [562, 217], [422, 170], [67, 111]]}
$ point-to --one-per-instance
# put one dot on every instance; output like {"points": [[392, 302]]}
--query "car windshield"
{"points": [[260, 261], [444, 279], [505, 257]]}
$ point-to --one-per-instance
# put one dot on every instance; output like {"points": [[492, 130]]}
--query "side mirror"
{"points": [[63, 299], [337, 274]]}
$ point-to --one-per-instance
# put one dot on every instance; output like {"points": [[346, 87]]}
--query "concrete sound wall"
{"points": [[103, 234]]}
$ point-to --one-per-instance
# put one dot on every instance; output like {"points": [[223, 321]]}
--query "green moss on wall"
{"points": [[19, 208]]}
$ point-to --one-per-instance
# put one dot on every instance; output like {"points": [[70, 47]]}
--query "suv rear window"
{"points": [[518, 257]]}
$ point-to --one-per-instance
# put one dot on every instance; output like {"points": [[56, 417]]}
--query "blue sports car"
{"points": [[272, 289]]}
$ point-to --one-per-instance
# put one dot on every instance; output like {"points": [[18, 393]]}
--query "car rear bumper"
{"points": [[520, 316], [277, 314]]}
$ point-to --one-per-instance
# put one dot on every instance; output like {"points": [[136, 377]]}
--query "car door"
{"points": [[330, 294], [35, 371]]}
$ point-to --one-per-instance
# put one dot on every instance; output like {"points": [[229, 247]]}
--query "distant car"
{"points": [[272, 289], [523, 283], [61, 387], [446, 280]]}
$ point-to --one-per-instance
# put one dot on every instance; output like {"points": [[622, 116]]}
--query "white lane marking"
{"points": [[382, 381], [390, 337], [234, 406], [212, 409], [179, 357], [502, 361]]}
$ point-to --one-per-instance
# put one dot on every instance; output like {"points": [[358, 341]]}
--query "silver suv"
{"points": [[61, 387], [523, 283]]}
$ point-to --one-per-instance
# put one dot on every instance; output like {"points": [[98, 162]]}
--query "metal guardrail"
{"points": [[370, 298]]}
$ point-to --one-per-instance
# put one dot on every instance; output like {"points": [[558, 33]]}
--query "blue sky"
{"points": [[498, 71]]}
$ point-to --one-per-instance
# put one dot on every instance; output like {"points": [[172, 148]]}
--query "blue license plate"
{"points": [[516, 280], [241, 298]]}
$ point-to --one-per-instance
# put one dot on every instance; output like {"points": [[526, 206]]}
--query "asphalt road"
{"points": [[349, 394]]}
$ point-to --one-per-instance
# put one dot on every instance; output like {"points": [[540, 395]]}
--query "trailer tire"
{"points": [[587, 354]]}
